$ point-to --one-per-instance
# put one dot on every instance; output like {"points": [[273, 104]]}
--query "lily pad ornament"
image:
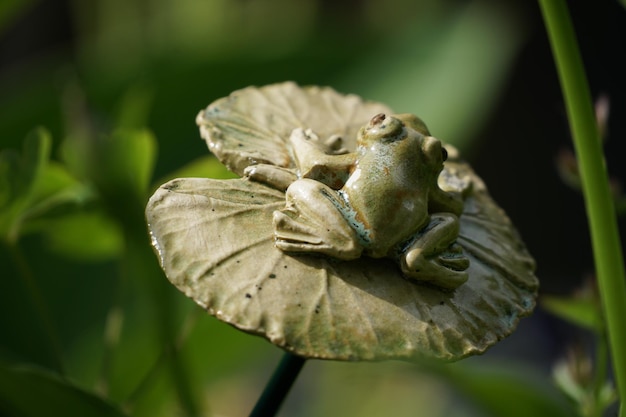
{"points": [[352, 234]]}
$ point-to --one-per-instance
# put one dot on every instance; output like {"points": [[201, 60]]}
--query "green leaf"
{"points": [[36, 153], [20, 172], [506, 390], [9, 171], [119, 164], [31, 186], [126, 161], [86, 236], [584, 312], [33, 392], [56, 194], [134, 108]]}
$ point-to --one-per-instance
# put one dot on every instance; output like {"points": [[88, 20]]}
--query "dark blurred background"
{"points": [[480, 73]]}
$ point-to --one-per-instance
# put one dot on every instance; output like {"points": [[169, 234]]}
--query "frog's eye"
{"points": [[444, 154]]}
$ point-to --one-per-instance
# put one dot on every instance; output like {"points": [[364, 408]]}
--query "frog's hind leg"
{"points": [[312, 222], [434, 256]]}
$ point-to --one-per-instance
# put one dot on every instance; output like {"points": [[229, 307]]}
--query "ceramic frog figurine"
{"points": [[382, 200]]}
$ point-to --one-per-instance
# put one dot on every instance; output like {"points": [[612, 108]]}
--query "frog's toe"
{"points": [[289, 231], [436, 274], [454, 263], [454, 259], [450, 279]]}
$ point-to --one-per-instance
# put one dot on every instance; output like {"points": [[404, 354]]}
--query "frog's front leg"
{"points": [[276, 177], [312, 222], [325, 161], [434, 256]]}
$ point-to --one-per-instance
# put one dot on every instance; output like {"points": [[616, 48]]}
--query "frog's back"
{"points": [[388, 196]]}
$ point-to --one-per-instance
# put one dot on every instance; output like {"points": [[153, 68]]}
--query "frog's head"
{"points": [[385, 129]]}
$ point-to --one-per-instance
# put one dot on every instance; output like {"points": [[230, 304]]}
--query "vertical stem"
{"points": [[278, 387], [600, 208], [599, 377]]}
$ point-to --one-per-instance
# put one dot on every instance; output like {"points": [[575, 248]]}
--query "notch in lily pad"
{"points": [[352, 234]]}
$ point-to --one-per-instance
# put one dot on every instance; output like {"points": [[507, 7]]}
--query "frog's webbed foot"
{"points": [[312, 223], [300, 235], [434, 256]]}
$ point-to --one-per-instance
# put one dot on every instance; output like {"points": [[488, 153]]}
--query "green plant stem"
{"points": [[278, 387], [600, 373], [607, 249]]}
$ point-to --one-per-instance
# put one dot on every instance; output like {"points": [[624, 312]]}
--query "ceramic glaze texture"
{"points": [[349, 235], [389, 206]]}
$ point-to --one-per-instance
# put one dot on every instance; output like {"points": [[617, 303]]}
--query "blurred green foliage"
{"points": [[89, 323]]}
